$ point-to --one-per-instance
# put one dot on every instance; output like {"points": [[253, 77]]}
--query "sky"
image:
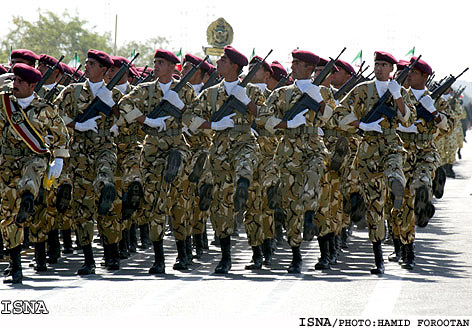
{"points": [[438, 30]]}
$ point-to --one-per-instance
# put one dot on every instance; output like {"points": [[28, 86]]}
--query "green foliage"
{"points": [[146, 50]]}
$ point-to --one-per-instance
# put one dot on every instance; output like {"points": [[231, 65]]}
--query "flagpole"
{"points": [[116, 32]]}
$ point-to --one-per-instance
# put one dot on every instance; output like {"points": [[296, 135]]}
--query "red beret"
{"points": [[235, 56], [118, 61], [264, 63], [140, 69], [100, 56], [323, 62], [422, 66], [402, 64], [278, 70], [168, 55], [384, 56], [306, 56], [197, 60], [49, 60], [3, 70], [25, 54], [27, 73], [345, 66]]}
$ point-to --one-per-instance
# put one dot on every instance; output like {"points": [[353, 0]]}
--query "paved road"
{"points": [[440, 285]]}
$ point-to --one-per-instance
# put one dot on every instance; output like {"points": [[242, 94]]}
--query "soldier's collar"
{"points": [[25, 102]]}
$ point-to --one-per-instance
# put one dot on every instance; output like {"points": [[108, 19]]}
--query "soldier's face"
{"points": [[163, 67], [260, 76], [43, 68], [196, 78], [21, 88], [20, 60], [224, 66], [340, 77], [382, 70], [94, 71], [301, 70], [416, 79]]}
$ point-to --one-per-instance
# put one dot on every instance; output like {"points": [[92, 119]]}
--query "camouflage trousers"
{"points": [[227, 163], [162, 199], [61, 221], [349, 175], [18, 175], [459, 135], [91, 170], [300, 171], [419, 167], [380, 161]]}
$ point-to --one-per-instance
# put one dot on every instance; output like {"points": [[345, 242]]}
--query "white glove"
{"points": [[240, 93], [298, 120], [320, 132], [49, 139], [254, 132], [185, 130], [394, 89], [173, 98], [4, 77], [55, 168], [90, 124], [428, 103], [159, 123], [314, 92], [114, 130], [105, 96], [224, 123], [410, 129], [373, 126]]}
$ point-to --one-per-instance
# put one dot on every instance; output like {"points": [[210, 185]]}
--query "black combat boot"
{"points": [[279, 233], [26, 207], [205, 239], [267, 252], [397, 190], [206, 196], [89, 264], [107, 196], [40, 256], [341, 149], [409, 262], [449, 171], [198, 239], [63, 197], [344, 238], [358, 207], [114, 254], [16, 270], [379, 262], [438, 182], [197, 171], [396, 254], [310, 230], [106, 256], [296, 264], [421, 202], [67, 241], [133, 238], [189, 250], [225, 263], [54, 246], [159, 266], [2, 254], [135, 195], [323, 262], [144, 234], [333, 250], [256, 259], [241, 195], [174, 161], [124, 251]]}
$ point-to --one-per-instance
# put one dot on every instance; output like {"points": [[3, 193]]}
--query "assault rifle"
{"points": [[47, 75], [212, 80], [351, 83], [97, 104], [142, 77], [282, 81], [306, 102], [444, 86], [380, 108], [232, 103], [164, 107]]}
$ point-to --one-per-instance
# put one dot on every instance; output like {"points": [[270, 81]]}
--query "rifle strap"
{"points": [[151, 94], [213, 95], [288, 96], [370, 93], [77, 90]]}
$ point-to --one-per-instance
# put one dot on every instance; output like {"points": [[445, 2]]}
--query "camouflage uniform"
{"points": [[92, 165], [23, 170]]}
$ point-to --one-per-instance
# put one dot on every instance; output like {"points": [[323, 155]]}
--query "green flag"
{"points": [[253, 53], [74, 62], [132, 54], [9, 56], [179, 54], [358, 56], [411, 51]]}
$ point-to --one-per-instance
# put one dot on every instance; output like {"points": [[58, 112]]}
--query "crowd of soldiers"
{"points": [[303, 154]]}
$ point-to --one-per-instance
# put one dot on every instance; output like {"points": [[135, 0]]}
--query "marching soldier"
{"points": [[44, 62], [301, 153], [232, 154], [26, 121], [380, 154], [93, 161], [163, 157]]}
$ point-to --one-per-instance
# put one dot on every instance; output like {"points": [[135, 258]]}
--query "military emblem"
{"points": [[219, 33], [17, 118]]}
